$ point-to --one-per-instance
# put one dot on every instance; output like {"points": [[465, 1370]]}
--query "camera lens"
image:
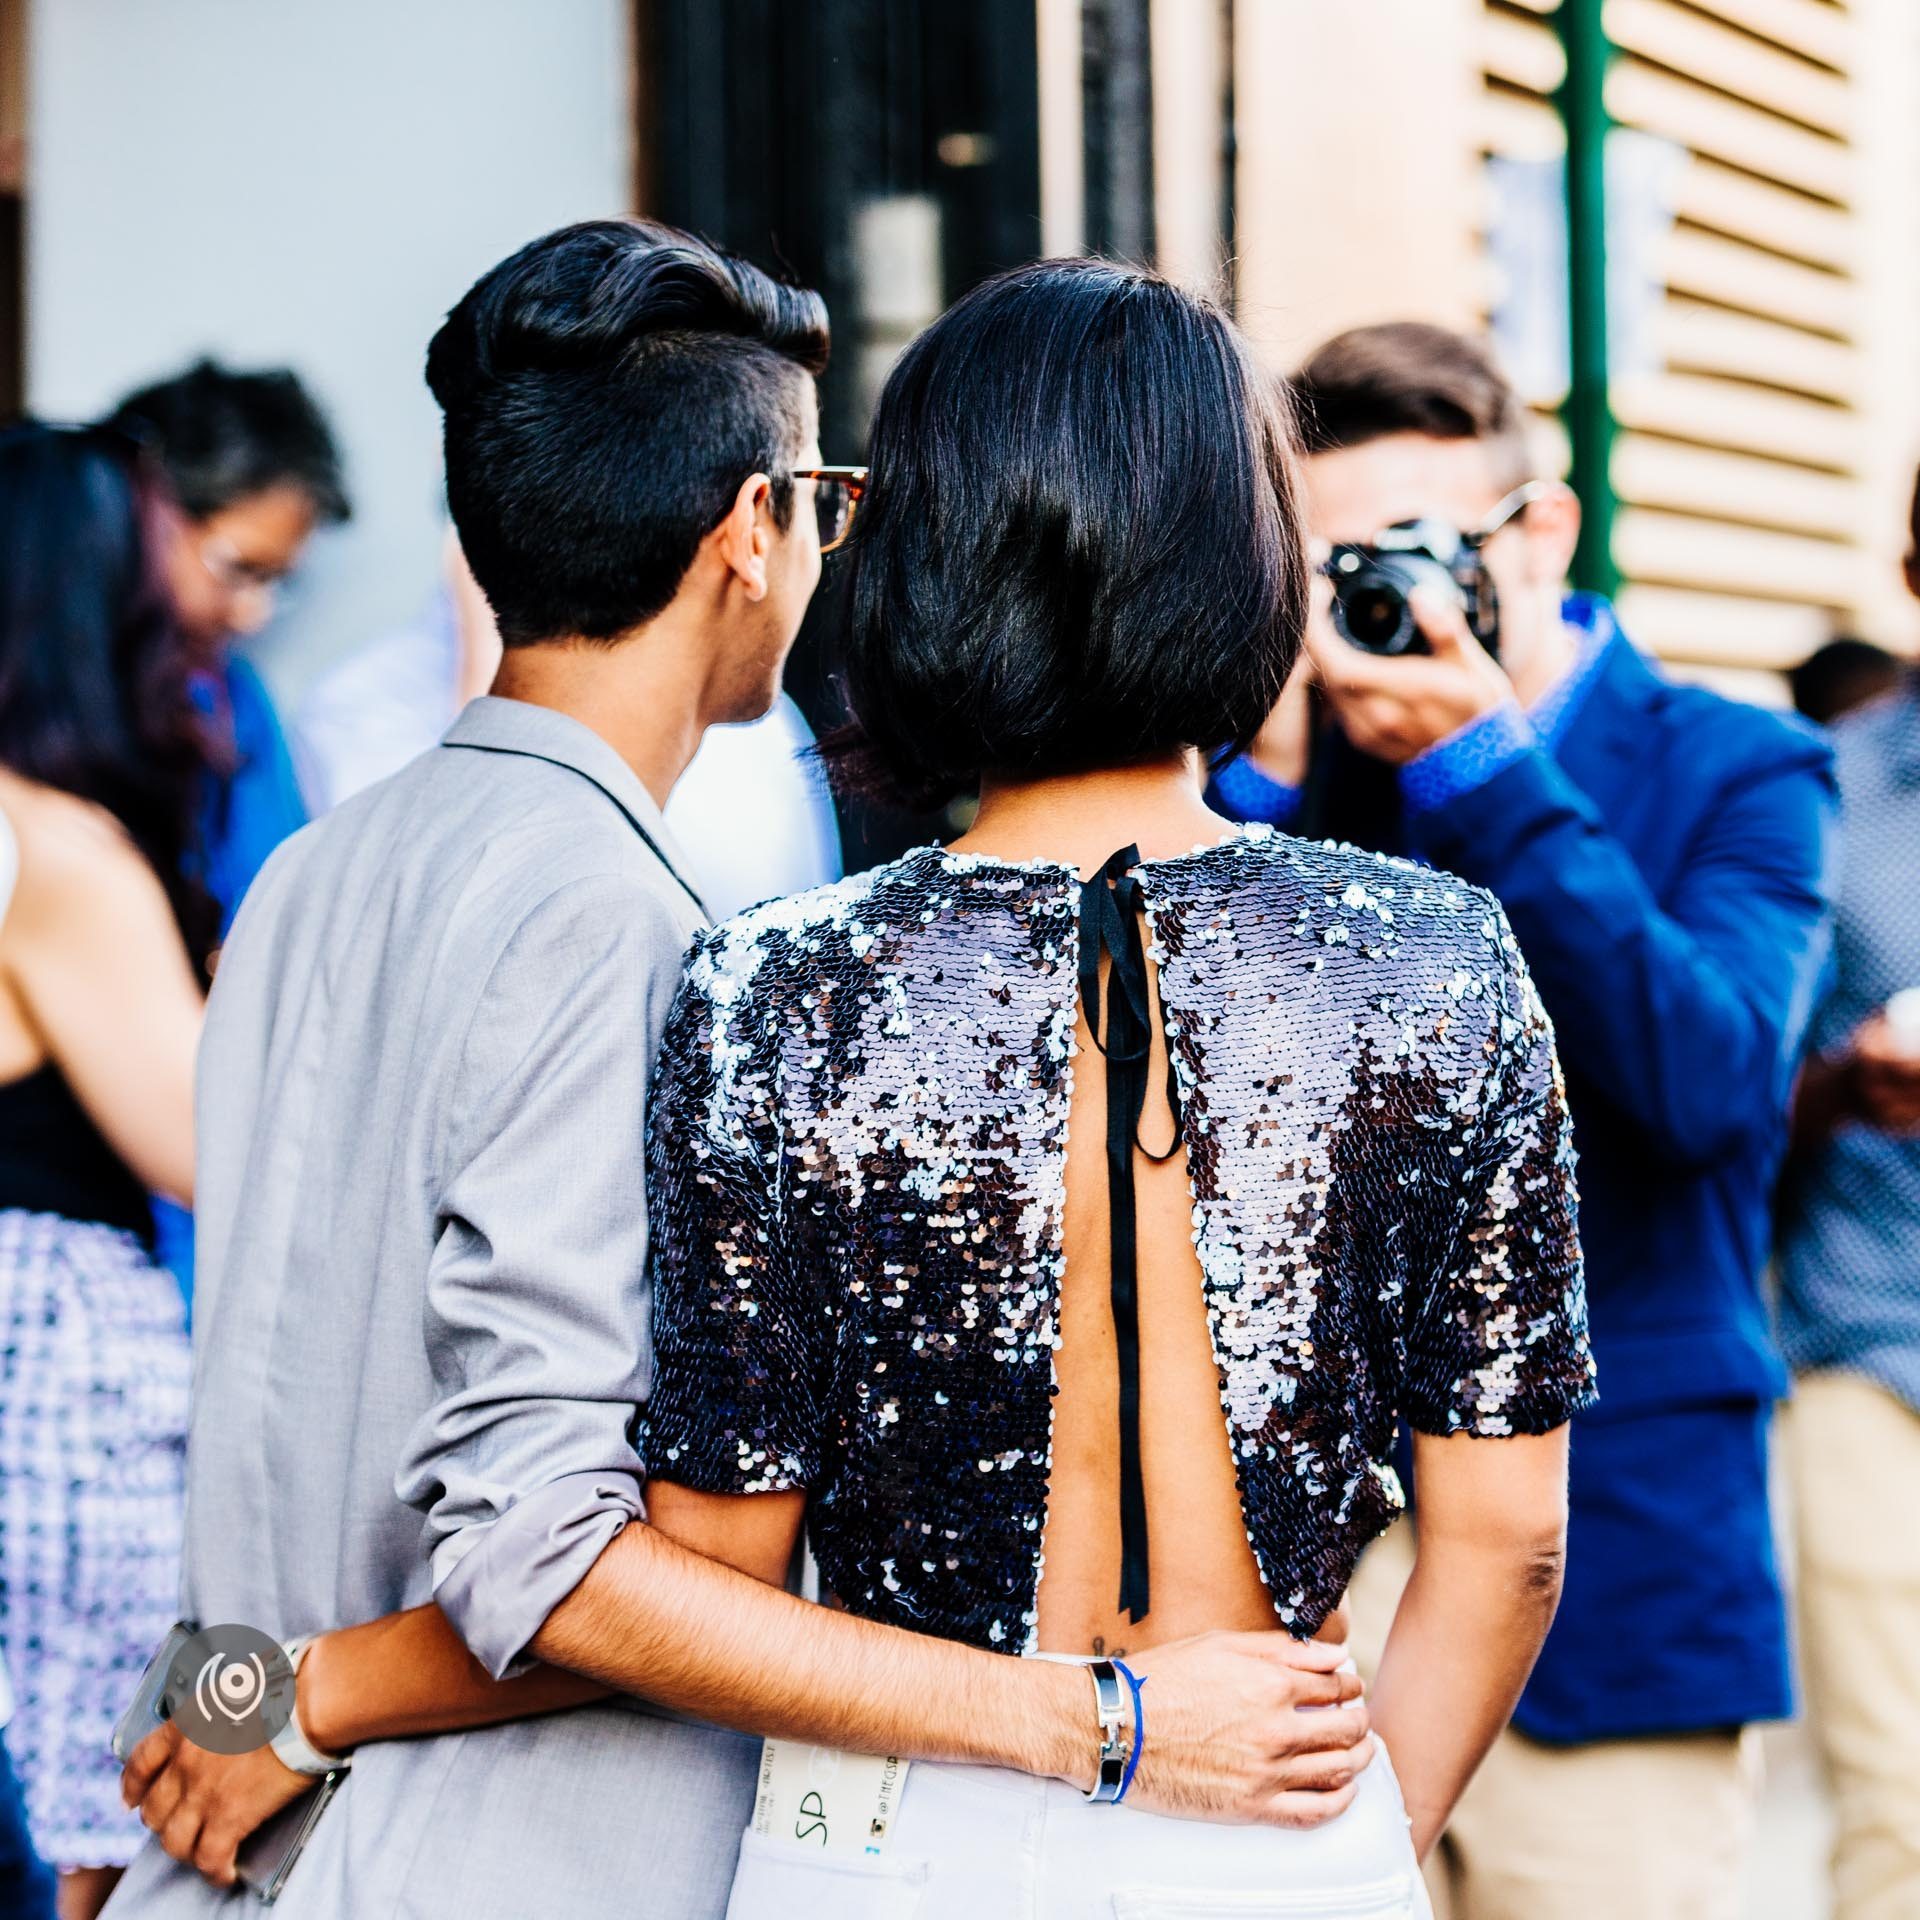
{"points": [[1371, 592], [1376, 617]]}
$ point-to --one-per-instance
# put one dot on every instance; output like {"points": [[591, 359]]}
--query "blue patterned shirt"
{"points": [[1850, 1246], [1492, 742], [1466, 759]]}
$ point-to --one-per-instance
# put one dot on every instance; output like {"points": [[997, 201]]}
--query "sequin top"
{"points": [[857, 1166]]}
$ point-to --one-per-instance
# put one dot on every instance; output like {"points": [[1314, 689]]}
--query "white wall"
{"points": [[308, 182], [1357, 181]]}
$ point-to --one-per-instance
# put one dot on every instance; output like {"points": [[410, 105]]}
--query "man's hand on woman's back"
{"points": [[1251, 1728]]}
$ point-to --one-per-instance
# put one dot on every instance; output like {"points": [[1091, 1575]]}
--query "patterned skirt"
{"points": [[93, 1422]]}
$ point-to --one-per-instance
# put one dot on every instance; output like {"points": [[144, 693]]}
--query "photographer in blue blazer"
{"points": [[1662, 854]]}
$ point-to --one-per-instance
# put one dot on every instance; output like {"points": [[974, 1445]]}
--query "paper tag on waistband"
{"points": [[837, 1802]]}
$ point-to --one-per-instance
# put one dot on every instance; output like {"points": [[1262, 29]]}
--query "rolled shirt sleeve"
{"points": [[536, 1316], [497, 1582]]}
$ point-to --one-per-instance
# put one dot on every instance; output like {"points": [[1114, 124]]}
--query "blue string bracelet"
{"points": [[1135, 1685]]}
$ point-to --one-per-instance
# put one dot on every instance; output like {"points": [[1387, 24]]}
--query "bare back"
{"points": [[1202, 1567]]}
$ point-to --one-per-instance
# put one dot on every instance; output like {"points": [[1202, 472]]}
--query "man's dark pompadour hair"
{"points": [[606, 391], [1409, 377]]}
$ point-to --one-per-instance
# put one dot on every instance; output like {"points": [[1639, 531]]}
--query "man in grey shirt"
{"points": [[422, 1329]]}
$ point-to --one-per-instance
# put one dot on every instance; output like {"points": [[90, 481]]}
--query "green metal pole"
{"points": [[1588, 412]]}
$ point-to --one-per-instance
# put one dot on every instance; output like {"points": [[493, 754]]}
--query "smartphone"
{"points": [[269, 1855], [153, 1699], [1903, 1016]]}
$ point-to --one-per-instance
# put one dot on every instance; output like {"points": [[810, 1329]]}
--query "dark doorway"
{"points": [[13, 172], [884, 151], [12, 291]]}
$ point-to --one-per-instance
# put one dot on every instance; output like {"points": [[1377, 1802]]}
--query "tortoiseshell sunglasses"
{"points": [[836, 499]]}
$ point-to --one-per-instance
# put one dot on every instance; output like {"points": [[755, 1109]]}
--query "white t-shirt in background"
{"points": [[753, 812]]}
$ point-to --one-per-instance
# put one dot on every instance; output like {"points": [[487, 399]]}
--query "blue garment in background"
{"points": [[1662, 855], [1481, 748], [27, 1885], [245, 817], [1850, 1226], [1246, 793], [249, 813]]}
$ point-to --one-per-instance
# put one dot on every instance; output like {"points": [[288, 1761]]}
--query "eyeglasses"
{"points": [[1510, 508], [836, 499], [1447, 543], [235, 573]]}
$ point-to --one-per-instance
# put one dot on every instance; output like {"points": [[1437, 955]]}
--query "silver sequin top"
{"points": [[857, 1163]]}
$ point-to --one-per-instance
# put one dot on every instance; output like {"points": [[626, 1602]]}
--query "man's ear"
{"points": [[1553, 530], [742, 538]]}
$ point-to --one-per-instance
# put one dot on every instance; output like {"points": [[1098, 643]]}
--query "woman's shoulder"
{"points": [[64, 844], [1340, 894], [60, 819], [767, 953], [82, 894], [837, 918], [1356, 933]]}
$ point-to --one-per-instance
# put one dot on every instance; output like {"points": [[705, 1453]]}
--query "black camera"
{"points": [[1373, 584]]}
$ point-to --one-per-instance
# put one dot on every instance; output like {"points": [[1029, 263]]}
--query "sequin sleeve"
{"points": [[740, 1358], [1499, 1346]]}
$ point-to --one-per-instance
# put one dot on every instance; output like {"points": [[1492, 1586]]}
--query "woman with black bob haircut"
{"points": [[103, 963], [1058, 1224], [1080, 547]]}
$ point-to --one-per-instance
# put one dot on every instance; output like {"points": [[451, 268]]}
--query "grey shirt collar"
{"points": [[493, 725]]}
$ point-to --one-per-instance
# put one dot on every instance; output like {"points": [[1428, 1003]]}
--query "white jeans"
{"points": [[980, 1843]]}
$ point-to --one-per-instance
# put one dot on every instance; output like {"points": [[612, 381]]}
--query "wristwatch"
{"points": [[1109, 1709], [290, 1745]]}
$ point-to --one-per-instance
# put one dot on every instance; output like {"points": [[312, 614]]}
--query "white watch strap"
{"points": [[291, 1746]]}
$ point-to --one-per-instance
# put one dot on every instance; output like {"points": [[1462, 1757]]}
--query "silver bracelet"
{"points": [[290, 1745], [1109, 1705]]}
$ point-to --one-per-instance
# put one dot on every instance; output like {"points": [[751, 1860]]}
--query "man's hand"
{"points": [[1241, 1727], [1251, 1728], [1393, 709], [1884, 1069], [204, 1805]]}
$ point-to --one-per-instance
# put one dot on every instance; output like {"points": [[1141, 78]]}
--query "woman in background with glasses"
{"points": [[251, 461], [103, 955]]}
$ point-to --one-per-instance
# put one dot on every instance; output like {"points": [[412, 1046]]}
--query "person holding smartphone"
{"points": [[1850, 1315]]}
